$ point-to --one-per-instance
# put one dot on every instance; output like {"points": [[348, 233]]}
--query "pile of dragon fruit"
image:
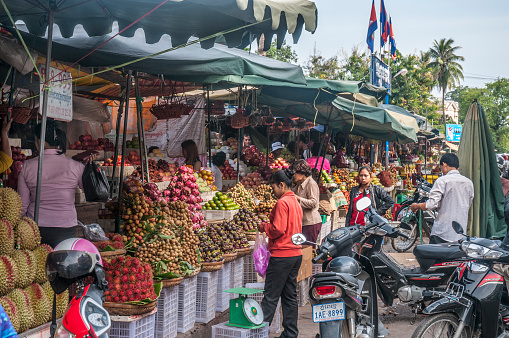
{"points": [[183, 187]]}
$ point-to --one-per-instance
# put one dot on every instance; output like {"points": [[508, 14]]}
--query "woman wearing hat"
{"points": [[277, 148]]}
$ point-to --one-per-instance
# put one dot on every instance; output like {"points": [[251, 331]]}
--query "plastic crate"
{"points": [[326, 229], [140, 328], [224, 283], [206, 296], [167, 313], [224, 331], [236, 274], [249, 275], [317, 268], [214, 215], [275, 326], [186, 304], [303, 292]]}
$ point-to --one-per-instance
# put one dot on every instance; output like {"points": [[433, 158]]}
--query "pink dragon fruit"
{"points": [[186, 191], [176, 192], [192, 178], [183, 198], [189, 184], [195, 192], [174, 199], [179, 184], [199, 199]]}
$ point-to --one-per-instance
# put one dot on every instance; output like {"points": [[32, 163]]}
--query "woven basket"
{"points": [[229, 257], [121, 309], [268, 120], [171, 282], [243, 252], [239, 120], [113, 254], [211, 267], [250, 236], [165, 111], [196, 271]]}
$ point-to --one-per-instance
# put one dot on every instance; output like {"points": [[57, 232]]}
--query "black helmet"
{"points": [[344, 264]]}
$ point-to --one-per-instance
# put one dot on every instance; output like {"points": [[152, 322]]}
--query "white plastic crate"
{"points": [[317, 268], [224, 331], [303, 292], [224, 283], [206, 296], [249, 275], [167, 313], [140, 328], [186, 304], [326, 229], [236, 275], [275, 326]]}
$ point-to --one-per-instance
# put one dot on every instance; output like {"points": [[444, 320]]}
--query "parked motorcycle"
{"points": [[471, 304], [71, 262], [410, 220], [344, 296]]}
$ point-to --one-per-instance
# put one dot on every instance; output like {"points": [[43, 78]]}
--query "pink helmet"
{"points": [[79, 244]]}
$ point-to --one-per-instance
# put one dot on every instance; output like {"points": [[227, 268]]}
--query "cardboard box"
{"points": [[306, 267], [88, 213]]}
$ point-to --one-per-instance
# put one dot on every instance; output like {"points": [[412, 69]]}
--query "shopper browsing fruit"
{"points": [[315, 158], [308, 195], [285, 260], [190, 153], [218, 164], [5, 151], [60, 177], [380, 199]]}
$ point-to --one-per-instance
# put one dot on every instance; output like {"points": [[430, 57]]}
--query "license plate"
{"points": [[329, 311]]}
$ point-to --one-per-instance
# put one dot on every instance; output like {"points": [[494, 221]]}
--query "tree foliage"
{"points": [[320, 67], [285, 53]]}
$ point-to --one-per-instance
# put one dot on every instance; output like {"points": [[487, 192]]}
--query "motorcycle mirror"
{"points": [[363, 204], [299, 239], [405, 226], [457, 227]]}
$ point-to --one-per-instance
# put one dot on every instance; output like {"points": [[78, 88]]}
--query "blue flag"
{"points": [[384, 25], [372, 27]]}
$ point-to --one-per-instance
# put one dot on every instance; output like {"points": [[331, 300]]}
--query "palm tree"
{"points": [[446, 67]]}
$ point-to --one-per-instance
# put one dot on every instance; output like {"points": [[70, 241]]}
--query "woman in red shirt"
{"points": [[285, 259]]}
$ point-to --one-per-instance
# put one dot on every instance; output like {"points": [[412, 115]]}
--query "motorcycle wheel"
{"points": [[439, 325], [401, 244]]}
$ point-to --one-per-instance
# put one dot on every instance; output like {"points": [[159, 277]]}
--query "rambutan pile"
{"points": [[129, 280], [115, 242]]}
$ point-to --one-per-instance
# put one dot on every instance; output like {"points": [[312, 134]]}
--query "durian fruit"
{"points": [[8, 274], [27, 234], [23, 304], [6, 237], [25, 261], [10, 205], [12, 311], [40, 303], [41, 253], [62, 300]]}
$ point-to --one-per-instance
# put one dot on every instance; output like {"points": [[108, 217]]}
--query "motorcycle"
{"points": [[410, 220], [343, 297], [471, 304], [70, 263]]}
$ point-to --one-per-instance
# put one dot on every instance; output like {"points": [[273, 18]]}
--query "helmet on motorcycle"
{"points": [[344, 264], [71, 260]]}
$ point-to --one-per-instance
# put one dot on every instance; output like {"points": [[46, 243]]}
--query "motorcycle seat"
{"points": [[438, 251]]}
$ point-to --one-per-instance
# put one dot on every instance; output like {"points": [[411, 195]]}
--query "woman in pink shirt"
{"points": [[312, 160], [60, 177]]}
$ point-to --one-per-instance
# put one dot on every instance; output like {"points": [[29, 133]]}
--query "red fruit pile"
{"points": [[253, 157], [115, 241], [86, 142], [129, 280], [228, 172]]}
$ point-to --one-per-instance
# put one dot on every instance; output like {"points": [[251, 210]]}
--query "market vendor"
{"points": [[277, 148], [246, 141], [304, 151], [285, 257], [190, 153], [60, 177], [315, 158], [5, 153], [218, 164], [380, 199], [308, 195]]}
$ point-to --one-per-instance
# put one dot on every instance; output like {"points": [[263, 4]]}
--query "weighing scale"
{"points": [[245, 312]]}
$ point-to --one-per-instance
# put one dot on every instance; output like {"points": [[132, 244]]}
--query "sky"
{"points": [[481, 28]]}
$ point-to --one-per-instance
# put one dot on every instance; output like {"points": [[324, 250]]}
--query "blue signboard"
{"points": [[380, 73], [453, 132]]}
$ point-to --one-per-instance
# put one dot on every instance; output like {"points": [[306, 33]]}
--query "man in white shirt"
{"points": [[451, 196], [218, 163]]}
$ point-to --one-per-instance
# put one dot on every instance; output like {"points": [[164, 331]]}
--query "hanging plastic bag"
{"points": [[93, 232], [261, 254], [95, 183]]}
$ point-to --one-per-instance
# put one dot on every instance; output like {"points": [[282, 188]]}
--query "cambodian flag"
{"points": [[372, 27], [384, 25], [392, 40]]}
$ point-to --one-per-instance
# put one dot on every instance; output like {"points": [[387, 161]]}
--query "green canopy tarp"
{"points": [[478, 162], [179, 19]]}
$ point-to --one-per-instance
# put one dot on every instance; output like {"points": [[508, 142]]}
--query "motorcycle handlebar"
{"points": [[317, 258], [403, 235]]}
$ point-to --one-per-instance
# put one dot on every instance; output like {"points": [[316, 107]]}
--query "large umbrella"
{"points": [[478, 162]]}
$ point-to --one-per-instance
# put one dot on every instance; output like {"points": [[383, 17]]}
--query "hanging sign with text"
{"points": [[380, 73], [59, 94]]}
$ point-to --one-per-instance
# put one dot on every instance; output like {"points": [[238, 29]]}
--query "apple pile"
{"points": [[232, 143], [279, 163], [253, 157], [109, 161], [253, 179], [228, 172], [128, 280], [160, 171], [17, 155], [13, 173], [86, 142]]}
